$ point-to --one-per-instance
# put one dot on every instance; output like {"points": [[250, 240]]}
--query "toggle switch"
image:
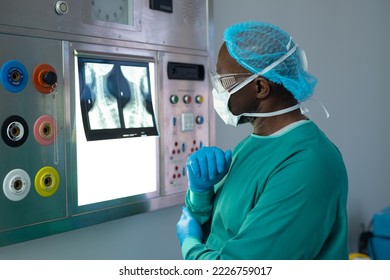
{"points": [[174, 121]]}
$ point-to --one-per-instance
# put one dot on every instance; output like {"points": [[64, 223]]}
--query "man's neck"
{"points": [[268, 126]]}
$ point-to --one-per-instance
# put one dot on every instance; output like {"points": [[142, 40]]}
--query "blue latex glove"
{"points": [[188, 227], [207, 167]]}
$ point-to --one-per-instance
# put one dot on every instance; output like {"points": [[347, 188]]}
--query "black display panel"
{"points": [[185, 71], [161, 5], [116, 99]]}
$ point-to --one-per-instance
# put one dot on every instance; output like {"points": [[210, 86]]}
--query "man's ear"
{"points": [[263, 88]]}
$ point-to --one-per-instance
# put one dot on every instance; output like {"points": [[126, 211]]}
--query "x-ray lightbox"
{"points": [[116, 128]]}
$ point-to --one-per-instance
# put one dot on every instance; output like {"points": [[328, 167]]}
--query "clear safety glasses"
{"points": [[229, 81]]}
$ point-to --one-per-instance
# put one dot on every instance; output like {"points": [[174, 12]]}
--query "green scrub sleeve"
{"points": [[200, 204], [193, 244]]}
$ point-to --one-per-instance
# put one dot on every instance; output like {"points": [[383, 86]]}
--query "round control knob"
{"points": [[61, 8], [199, 99], [45, 78], [187, 99], [199, 119], [174, 99], [49, 78]]}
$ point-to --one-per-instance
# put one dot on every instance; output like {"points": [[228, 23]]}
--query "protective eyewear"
{"points": [[228, 81]]}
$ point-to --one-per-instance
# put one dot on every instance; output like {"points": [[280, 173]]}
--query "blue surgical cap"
{"points": [[255, 45]]}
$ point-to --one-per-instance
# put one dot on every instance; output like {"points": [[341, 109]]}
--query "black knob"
{"points": [[49, 78]]}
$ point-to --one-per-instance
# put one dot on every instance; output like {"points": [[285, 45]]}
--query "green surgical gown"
{"points": [[284, 197]]}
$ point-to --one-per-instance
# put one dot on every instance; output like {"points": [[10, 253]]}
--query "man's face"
{"points": [[242, 101]]}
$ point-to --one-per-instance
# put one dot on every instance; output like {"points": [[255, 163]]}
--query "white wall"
{"points": [[347, 44]]}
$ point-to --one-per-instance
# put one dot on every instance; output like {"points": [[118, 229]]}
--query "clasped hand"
{"points": [[207, 167], [188, 227]]}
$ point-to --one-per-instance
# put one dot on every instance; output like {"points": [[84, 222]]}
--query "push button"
{"points": [[187, 99], [187, 121], [199, 99], [174, 99], [49, 78], [199, 119]]}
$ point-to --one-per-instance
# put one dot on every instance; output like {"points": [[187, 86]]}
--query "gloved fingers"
{"points": [[228, 158], [185, 212], [183, 219], [199, 162], [182, 228], [188, 219], [211, 164], [188, 226], [203, 162], [220, 160], [193, 165]]}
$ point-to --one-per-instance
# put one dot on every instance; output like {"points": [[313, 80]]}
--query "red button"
{"points": [[187, 99]]}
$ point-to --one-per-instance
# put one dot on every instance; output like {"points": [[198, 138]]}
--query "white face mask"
{"points": [[221, 97], [222, 108]]}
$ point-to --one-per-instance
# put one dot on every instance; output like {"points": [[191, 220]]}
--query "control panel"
{"points": [[186, 115], [32, 169]]}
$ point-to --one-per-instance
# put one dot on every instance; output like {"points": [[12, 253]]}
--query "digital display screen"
{"points": [[116, 99], [185, 71]]}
